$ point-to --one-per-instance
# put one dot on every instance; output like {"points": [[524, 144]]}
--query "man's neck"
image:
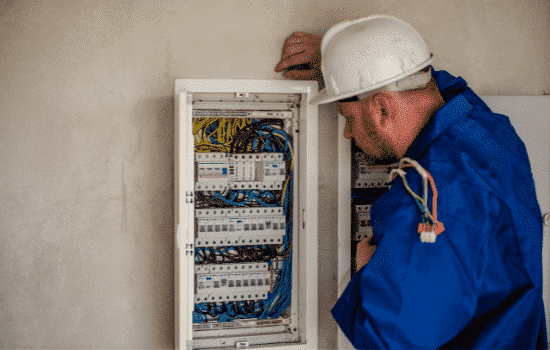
{"points": [[426, 102]]}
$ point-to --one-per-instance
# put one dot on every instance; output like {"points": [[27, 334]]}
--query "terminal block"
{"points": [[220, 171], [240, 226]]}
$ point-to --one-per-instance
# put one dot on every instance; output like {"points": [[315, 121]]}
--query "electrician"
{"points": [[479, 285]]}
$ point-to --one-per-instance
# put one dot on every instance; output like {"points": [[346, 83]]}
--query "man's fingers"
{"points": [[304, 38], [297, 48], [301, 74], [301, 35], [301, 58]]}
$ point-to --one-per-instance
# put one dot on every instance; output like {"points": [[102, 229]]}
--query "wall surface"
{"points": [[86, 141]]}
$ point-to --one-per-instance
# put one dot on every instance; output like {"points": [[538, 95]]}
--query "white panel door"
{"points": [[530, 116]]}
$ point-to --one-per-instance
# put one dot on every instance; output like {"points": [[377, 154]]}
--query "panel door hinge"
{"points": [[189, 196], [189, 249]]}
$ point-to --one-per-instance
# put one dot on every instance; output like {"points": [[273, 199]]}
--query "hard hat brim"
{"points": [[320, 98], [324, 97]]}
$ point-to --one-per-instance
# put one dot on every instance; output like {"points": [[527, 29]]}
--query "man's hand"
{"points": [[364, 252], [302, 57]]}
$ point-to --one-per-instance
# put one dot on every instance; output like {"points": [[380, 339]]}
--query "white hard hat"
{"points": [[371, 53]]}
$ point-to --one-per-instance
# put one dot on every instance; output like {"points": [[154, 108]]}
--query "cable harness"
{"points": [[428, 227]]}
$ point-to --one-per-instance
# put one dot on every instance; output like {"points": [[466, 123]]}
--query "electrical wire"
{"points": [[426, 231]]}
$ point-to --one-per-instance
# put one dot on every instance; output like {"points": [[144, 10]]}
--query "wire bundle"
{"points": [[249, 198], [216, 134], [226, 255], [227, 311], [429, 227]]}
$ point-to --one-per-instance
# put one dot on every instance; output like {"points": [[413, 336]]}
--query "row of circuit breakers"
{"points": [[240, 226], [220, 171], [233, 282]]}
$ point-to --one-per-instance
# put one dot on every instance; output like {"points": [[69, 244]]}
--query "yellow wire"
{"points": [[291, 167], [417, 197], [224, 132]]}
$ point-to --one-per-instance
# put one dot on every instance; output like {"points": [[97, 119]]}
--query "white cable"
{"points": [[422, 173], [401, 172]]}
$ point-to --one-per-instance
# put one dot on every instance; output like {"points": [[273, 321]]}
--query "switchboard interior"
{"points": [[244, 217]]}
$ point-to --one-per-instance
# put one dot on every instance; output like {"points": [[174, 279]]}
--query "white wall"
{"points": [[86, 141]]}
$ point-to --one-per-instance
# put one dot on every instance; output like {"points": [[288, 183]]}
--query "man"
{"points": [[479, 285]]}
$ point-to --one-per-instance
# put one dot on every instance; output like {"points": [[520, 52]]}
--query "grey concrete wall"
{"points": [[86, 141]]}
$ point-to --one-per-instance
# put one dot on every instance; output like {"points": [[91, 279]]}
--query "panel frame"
{"points": [[305, 213]]}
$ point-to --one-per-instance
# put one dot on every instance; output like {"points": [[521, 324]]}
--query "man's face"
{"points": [[368, 135]]}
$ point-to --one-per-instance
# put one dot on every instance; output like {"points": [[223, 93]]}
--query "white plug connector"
{"points": [[427, 237]]}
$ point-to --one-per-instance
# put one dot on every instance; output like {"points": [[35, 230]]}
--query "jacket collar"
{"points": [[450, 114]]}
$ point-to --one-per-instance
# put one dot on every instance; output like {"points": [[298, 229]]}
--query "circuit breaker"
{"points": [[246, 184]]}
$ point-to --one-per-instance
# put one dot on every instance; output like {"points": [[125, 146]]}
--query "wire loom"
{"points": [[429, 227], [241, 135]]}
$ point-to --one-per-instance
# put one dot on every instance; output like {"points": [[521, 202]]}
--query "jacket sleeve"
{"points": [[420, 295]]}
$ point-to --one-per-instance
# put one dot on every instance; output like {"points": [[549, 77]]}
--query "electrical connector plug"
{"points": [[429, 232], [427, 237]]}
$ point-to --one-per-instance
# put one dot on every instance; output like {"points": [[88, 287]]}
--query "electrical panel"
{"points": [[368, 182], [246, 214]]}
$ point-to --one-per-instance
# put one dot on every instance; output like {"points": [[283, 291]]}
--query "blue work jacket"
{"points": [[479, 286]]}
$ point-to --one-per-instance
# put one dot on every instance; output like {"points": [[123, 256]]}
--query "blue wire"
{"points": [[268, 194], [418, 203], [230, 202], [253, 196]]}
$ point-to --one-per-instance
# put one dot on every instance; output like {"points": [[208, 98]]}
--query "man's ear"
{"points": [[384, 109]]}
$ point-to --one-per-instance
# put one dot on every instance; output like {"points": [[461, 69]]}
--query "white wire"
{"points": [[422, 173]]}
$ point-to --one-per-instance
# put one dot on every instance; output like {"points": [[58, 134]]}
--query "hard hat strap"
{"points": [[413, 81]]}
